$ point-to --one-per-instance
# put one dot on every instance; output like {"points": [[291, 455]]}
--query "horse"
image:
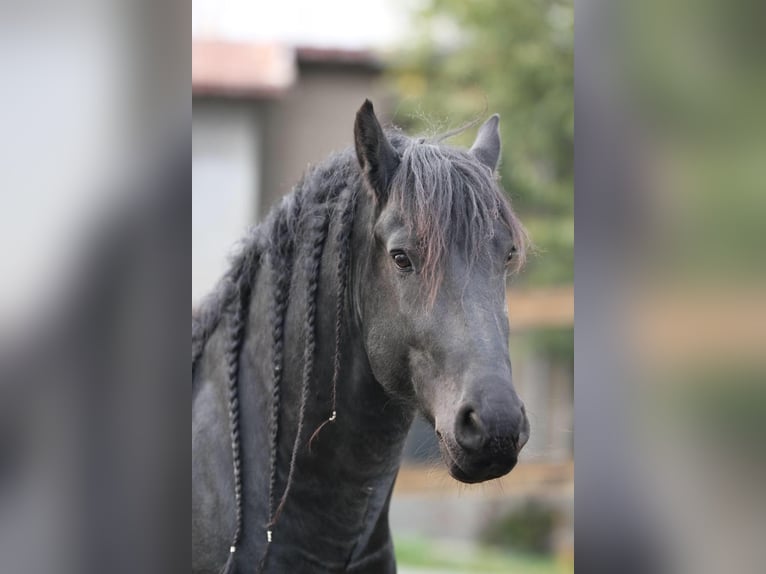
{"points": [[376, 289]]}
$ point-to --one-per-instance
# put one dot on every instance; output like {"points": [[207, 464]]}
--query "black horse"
{"points": [[374, 290]]}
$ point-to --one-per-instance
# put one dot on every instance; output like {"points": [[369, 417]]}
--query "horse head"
{"points": [[430, 294]]}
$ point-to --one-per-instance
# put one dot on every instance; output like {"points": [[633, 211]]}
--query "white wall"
{"points": [[226, 154]]}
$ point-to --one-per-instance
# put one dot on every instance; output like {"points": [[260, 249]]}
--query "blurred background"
{"points": [[275, 88]]}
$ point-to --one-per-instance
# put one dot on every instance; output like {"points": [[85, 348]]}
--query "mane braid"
{"points": [[207, 317], [282, 267], [200, 335], [343, 238], [317, 233], [235, 337], [210, 313]]}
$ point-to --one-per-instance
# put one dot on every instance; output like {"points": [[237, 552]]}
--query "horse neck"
{"points": [[365, 438], [346, 474]]}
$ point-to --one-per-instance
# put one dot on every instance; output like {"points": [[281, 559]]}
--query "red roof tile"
{"points": [[241, 69]]}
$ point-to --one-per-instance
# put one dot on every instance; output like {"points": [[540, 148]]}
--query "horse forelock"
{"points": [[448, 197]]}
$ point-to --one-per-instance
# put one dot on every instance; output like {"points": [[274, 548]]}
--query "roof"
{"points": [[241, 69]]}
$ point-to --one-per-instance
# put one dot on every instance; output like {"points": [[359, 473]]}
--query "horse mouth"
{"points": [[473, 472]]}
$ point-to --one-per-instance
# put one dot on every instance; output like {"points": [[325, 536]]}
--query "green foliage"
{"points": [[447, 556], [514, 57], [529, 529], [557, 345]]}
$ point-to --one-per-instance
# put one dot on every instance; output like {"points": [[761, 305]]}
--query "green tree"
{"points": [[514, 57]]}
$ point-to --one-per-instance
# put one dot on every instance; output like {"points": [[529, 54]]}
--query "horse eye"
{"points": [[511, 254], [401, 260]]}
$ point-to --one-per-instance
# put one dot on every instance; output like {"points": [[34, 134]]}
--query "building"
{"points": [[261, 114]]}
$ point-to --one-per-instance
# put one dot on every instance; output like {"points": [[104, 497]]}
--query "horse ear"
{"points": [[486, 148], [375, 153]]}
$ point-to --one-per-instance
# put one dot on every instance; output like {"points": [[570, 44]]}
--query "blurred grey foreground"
{"points": [[670, 287], [94, 263], [89, 462]]}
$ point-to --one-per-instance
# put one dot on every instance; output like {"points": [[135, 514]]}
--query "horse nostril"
{"points": [[469, 430]]}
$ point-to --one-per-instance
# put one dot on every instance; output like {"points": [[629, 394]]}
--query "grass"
{"points": [[419, 552]]}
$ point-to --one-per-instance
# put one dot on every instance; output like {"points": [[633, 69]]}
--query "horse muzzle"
{"points": [[484, 443]]}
